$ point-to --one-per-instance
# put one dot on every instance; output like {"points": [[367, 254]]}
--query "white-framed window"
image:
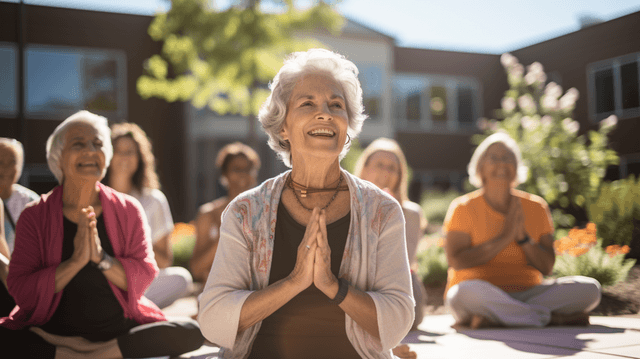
{"points": [[8, 79], [435, 103], [614, 87], [62, 80]]}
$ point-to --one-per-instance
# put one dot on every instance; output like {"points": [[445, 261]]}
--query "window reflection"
{"points": [[61, 81], [370, 77], [8, 80]]}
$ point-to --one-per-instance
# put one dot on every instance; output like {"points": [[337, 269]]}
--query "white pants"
{"points": [[172, 283], [529, 308]]}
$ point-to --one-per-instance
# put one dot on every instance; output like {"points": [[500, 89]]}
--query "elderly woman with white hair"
{"points": [[499, 244], [311, 263], [15, 197], [82, 262]]}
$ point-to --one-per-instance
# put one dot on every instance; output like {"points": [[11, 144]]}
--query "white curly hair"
{"points": [[56, 142], [296, 65]]}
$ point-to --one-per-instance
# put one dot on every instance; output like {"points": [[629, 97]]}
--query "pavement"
{"points": [[606, 338]]}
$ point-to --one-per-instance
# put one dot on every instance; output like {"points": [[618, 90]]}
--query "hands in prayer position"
{"points": [[514, 221], [313, 264], [86, 243]]}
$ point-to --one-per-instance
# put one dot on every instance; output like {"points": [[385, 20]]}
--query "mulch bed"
{"points": [[620, 299]]}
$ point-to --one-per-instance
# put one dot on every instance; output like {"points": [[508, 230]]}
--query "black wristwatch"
{"points": [[343, 289], [524, 240], [106, 262]]}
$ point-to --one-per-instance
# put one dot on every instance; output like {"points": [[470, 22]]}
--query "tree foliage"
{"points": [[565, 168], [221, 59]]}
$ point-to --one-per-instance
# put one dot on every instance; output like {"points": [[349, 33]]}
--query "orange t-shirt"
{"points": [[508, 270]]}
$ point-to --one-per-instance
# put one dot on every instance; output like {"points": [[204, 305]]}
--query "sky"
{"points": [[490, 26]]}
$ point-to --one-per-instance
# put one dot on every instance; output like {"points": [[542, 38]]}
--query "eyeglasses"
{"points": [[508, 159]]}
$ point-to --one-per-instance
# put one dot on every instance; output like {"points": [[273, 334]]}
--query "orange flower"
{"points": [[440, 242], [182, 230], [578, 251], [615, 249]]}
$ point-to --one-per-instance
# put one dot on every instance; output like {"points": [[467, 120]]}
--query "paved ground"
{"points": [[605, 338]]}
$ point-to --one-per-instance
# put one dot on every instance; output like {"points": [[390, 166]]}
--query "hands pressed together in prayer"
{"points": [[514, 221], [86, 243], [313, 264]]}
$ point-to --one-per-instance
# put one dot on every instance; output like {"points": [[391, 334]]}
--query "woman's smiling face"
{"points": [[83, 153], [498, 166], [316, 123]]}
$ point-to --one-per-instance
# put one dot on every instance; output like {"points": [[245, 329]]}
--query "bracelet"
{"points": [[524, 240], [343, 289], [106, 262]]}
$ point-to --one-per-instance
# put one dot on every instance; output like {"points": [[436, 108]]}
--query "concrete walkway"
{"points": [[605, 338]]}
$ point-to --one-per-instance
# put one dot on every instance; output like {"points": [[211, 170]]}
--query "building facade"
{"points": [[428, 100]]}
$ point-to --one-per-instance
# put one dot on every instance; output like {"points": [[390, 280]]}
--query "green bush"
{"points": [[349, 161], [435, 204], [595, 263], [433, 266], [182, 250], [616, 212], [565, 168]]}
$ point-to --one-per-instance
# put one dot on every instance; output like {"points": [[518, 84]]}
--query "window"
{"points": [[370, 77], [438, 104], [8, 80], [465, 106], [407, 92], [629, 79], [413, 107], [61, 81], [614, 87], [604, 91], [435, 103]]}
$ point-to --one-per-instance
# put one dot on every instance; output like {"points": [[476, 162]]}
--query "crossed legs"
{"points": [[481, 303]]}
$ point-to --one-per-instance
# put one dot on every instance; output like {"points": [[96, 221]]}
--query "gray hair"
{"points": [[56, 141], [296, 65], [16, 147], [478, 155]]}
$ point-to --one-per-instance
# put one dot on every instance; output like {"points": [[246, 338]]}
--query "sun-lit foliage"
{"points": [[616, 211], [222, 59], [581, 253], [565, 167]]}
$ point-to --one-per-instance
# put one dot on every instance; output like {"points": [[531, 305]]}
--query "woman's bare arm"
{"points": [[541, 255]]}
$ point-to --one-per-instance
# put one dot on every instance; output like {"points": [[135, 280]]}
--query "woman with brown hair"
{"points": [[239, 165], [133, 171]]}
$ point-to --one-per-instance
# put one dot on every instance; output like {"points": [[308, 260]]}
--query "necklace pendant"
{"points": [[303, 193]]}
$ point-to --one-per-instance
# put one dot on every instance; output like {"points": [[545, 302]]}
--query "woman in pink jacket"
{"points": [[83, 261]]}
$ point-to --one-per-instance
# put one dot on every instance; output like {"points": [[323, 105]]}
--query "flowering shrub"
{"points": [[433, 265], [435, 204], [565, 168], [581, 253], [183, 239], [616, 211]]}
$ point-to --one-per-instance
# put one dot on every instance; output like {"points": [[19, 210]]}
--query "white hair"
{"points": [[18, 150], [56, 141], [298, 64], [478, 156]]}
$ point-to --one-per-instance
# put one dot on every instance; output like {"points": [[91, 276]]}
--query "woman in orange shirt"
{"points": [[499, 244]]}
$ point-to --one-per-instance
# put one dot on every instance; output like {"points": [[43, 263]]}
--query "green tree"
{"points": [[565, 168], [223, 59]]}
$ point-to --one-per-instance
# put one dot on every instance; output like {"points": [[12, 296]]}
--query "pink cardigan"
{"points": [[38, 252]]}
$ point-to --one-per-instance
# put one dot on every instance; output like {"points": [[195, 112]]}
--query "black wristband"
{"points": [[343, 289], [524, 240]]}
